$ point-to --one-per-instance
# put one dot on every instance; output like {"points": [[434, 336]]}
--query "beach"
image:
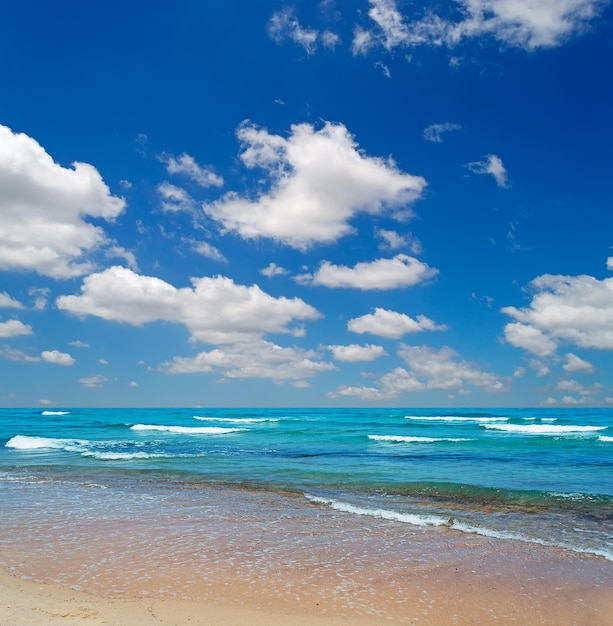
{"points": [[234, 556]]}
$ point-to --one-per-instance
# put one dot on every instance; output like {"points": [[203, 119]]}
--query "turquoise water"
{"points": [[537, 475]]}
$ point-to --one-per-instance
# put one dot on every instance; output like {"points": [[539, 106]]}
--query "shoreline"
{"points": [[231, 557]]}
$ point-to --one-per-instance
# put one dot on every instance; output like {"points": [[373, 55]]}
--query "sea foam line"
{"points": [[237, 420], [187, 430], [542, 429], [55, 413], [405, 439], [434, 520], [406, 518], [454, 418]]}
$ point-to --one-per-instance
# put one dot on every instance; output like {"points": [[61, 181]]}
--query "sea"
{"points": [[539, 476]]}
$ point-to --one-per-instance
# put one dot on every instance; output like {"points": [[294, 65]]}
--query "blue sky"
{"points": [[335, 203]]}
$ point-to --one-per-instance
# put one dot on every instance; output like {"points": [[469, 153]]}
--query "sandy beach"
{"points": [[457, 601], [304, 570]]}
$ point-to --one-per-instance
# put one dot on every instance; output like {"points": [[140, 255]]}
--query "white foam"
{"points": [[404, 439], [454, 418], [605, 438], [187, 430], [542, 429], [25, 442], [55, 413], [122, 456], [497, 534], [406, 518], [237, 420]]}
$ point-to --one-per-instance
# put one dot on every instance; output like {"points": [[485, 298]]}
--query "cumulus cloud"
{"points": [[186, 165], [96, 381], [391, 324], [209, 251], [492, 165], [400, 271], [255, 359], [11, 354], [57, 357], [214, 310], [318, 181], [175, 199], [272, 269], [43, 208], [14, 328], [434, 132], [529, 338], [428, 369], [6, 302], [576, 364], [78, 344], [355, 353], [571, 309], [441, 369], [526, 24], [284, 25]]}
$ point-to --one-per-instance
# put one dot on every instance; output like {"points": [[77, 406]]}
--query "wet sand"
{"points": [[236, 557]]}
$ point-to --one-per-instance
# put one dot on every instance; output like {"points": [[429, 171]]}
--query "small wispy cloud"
{"points": [[492, 165]]}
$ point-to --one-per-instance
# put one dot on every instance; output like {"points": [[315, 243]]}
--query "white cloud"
{"points": [[215, 310], [576, 364], [175, 199], [96, 381], [318, 181], [610, 263], [255, 359], [354, 353], [440, 369], [368, 394], [428, 370], [362, 42], [434, 132], [285, 25], [527, 24], [57, 357], [209, 251], [393, 241], [391, 324], [43, 207], [78, 344], [400, 271], [41, 296], [492, 165], [14, 328], [6, 302], [16, 355], [187, 166], [132, 384], [573, 309], [272, 269], [529, 338]]}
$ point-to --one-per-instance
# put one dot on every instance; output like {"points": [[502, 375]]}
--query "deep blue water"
{"points": [[541, 475]]}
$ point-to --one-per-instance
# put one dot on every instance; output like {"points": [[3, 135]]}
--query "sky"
{"points": [[337, 203]]}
